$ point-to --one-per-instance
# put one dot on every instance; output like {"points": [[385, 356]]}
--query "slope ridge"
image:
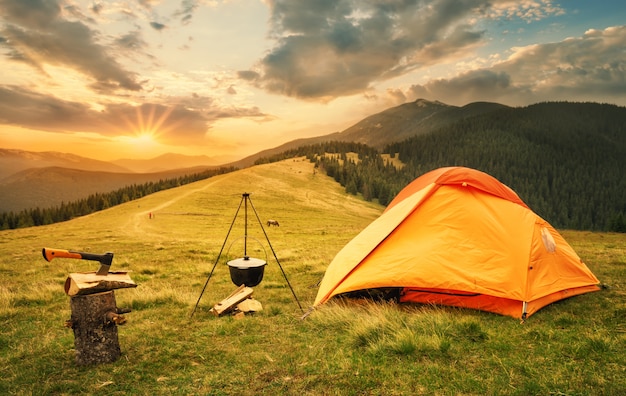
{"points": [[307, 204]]}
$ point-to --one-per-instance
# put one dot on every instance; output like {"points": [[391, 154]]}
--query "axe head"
{"points": [[105, 263]]}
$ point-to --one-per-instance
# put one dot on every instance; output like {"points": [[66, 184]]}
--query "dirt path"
{"points": [[135, 224]]}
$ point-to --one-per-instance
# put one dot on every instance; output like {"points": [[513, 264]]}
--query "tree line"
{"points": [[98, 201], [568, 166], [565, 160]]}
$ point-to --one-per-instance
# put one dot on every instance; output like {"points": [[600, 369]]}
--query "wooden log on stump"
{"points": [[94, 320]]}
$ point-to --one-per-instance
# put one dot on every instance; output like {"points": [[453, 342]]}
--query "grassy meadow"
{"points": [[573, 347]]}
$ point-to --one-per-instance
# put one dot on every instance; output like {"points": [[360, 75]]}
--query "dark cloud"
{"points": [[157, 26], [248, 75], [458, 43], [35, 33], [29, 109], [31, 14], [96, 8], [332, 48], [588, 68]]}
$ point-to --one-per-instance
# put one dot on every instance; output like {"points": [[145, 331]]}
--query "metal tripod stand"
{"points": [[245, 200]]}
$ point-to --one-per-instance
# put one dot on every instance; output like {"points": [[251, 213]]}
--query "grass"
{"points": [[573, 347]]}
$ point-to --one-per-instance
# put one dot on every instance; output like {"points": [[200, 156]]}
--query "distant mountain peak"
{"points": [[14, 160], [170, 161]]}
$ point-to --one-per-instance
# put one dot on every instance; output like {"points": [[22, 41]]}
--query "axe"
{"points": [[105, 259]]}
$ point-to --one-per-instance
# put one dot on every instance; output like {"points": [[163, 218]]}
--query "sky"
{"points": [[112, 79]]}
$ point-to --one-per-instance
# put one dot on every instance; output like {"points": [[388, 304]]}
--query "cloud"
{"points": [[36, 33], [22, 107], [131, 41], [172, 124], [475, 85], [594, 63], [179, 121], [185, 13], [248, 75], [96, 8], [526, 10], [147, 4], [157, 26], [237, 112], [326, 49], [587, 68]]}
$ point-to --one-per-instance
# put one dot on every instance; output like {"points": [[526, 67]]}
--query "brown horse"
{"points": [[273, 223]]}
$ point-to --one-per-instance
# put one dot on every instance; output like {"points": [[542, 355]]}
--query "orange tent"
{"points": [[457, 236]]}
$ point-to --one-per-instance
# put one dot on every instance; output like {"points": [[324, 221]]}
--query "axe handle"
{"points": [[49, 254]]}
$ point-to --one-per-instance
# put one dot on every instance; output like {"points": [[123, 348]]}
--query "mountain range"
{"points": [[171, 161], [29, 179], [45, 179], [389, 126], [13, 161]]}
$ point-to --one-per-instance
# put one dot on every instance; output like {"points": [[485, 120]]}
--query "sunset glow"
{"points": [[132, 79]]}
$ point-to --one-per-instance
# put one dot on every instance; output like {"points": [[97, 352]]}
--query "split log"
{"points": [[249, 305], [228, 304], [82, 283], [94, 321]]}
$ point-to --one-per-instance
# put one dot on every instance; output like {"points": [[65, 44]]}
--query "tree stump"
{"points": [[94, 320]]}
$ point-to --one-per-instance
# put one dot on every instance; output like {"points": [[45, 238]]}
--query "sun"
{"points": [[144, 139], [143, 130]]}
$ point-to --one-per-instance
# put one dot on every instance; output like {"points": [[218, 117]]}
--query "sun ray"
{"points": [[148, 125], [145, 128]]}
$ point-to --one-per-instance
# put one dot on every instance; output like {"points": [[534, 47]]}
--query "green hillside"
{"points": [[571, 347], [565, 160]]}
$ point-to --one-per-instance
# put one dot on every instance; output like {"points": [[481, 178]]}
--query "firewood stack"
{"points": [[238, 303]]}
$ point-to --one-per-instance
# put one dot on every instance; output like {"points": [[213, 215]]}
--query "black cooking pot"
{"points": [[246, 271]]}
